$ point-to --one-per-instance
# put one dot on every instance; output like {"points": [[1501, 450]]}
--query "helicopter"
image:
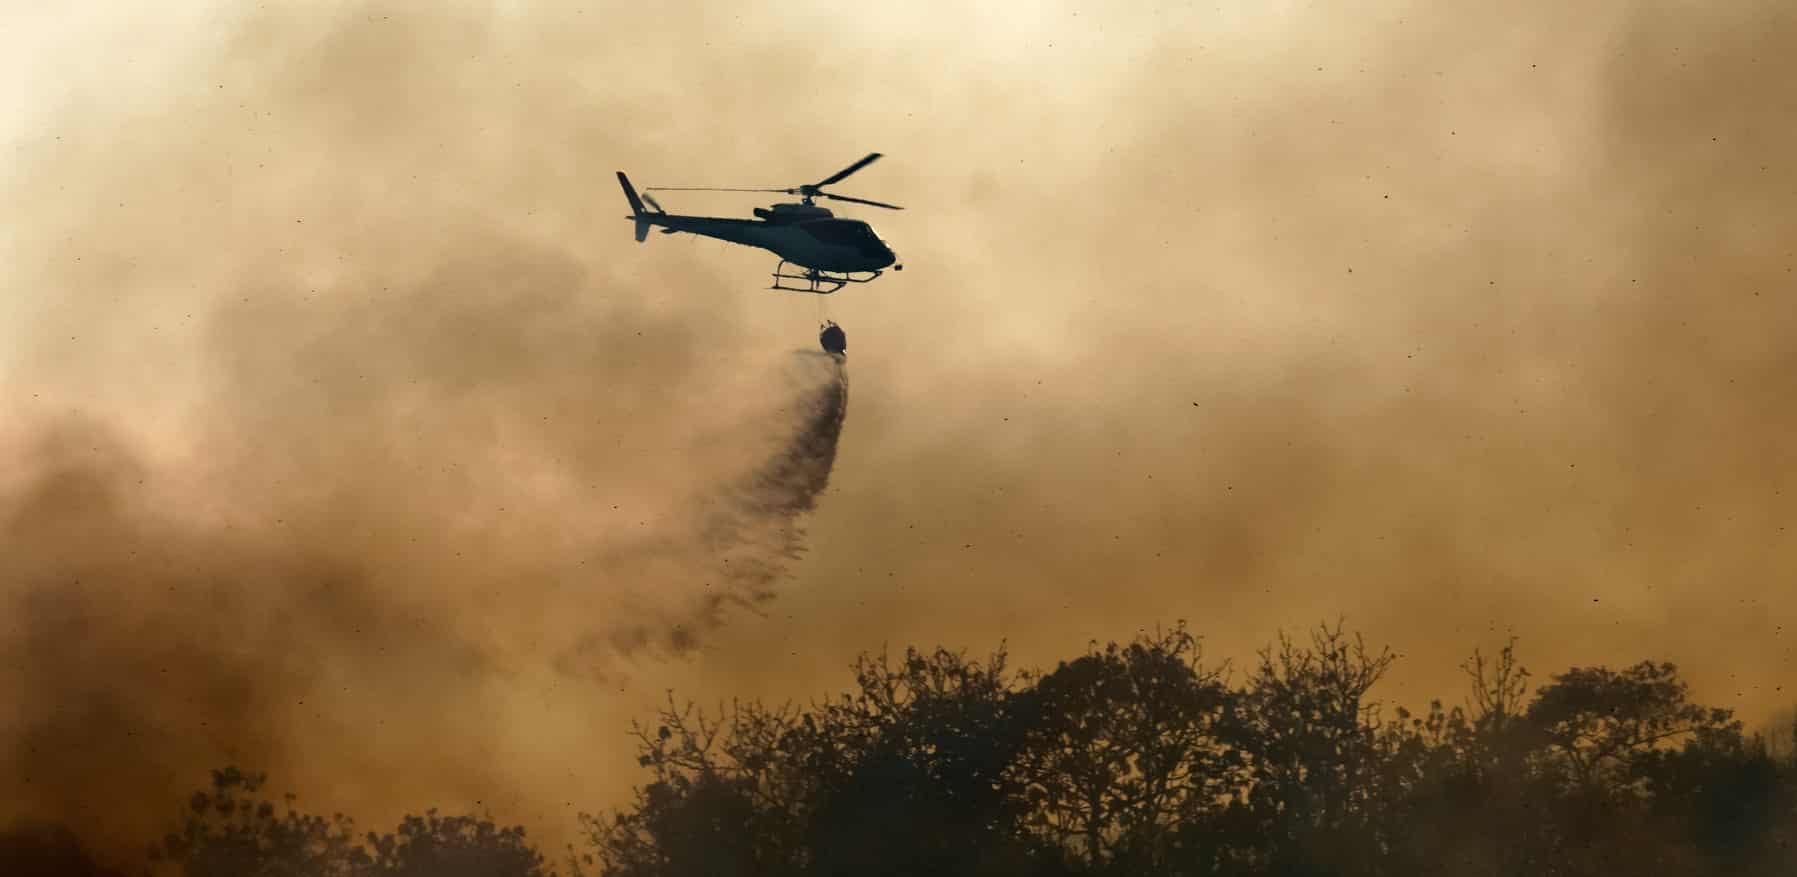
{"points": [[826, 251]]}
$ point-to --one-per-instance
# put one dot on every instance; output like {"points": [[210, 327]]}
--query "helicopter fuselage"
{"points": [[817, 241]]}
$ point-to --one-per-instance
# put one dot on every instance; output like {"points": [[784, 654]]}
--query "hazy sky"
{"points": [[341, 402]]}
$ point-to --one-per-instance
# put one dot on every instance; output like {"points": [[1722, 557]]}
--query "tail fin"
{"points": [[636, 204], [636, 208]]}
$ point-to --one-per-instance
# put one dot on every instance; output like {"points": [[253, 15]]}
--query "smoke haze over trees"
{"points": [[1139, 759], [346, 434], [1133, 758]]}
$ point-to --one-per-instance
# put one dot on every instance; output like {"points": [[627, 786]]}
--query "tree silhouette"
{"points": [[911, 768], [228, 831], [1128, 759], [433, 845], [726, 796], [1135, 759], [1599, 724], [1309, 733], [1123, 748]]}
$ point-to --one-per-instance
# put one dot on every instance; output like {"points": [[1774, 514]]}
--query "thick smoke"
{"points": [[147, 638], [333, 447], [1455, 319]]}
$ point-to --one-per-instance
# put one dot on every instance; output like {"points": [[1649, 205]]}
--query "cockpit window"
{"points": [[845, 234]]}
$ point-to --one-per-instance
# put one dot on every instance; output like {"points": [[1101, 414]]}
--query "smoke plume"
{"points": [[747, 535]]}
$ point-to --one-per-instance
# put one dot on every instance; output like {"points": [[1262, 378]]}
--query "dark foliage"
{"points": [[1137, 759], [228, 831], [1130, 759]]}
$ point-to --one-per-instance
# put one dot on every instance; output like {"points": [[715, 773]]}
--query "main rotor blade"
{"points": [[861, 201], [837, 177], [709, 189]]}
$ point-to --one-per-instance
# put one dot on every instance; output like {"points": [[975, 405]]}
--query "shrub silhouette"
{"points": [[1135, 758], [228, 831], [1129, 759]]}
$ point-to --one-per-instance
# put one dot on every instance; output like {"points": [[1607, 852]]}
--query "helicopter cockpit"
{"points": [[846, 233]]}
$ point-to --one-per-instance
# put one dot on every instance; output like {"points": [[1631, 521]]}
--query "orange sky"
{"points": [[339, 388]]}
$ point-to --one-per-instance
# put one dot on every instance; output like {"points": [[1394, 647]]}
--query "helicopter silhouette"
{"points": [[831, 251]]}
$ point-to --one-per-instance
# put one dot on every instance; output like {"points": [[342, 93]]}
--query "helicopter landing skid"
{"points": [[815, 278]]}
